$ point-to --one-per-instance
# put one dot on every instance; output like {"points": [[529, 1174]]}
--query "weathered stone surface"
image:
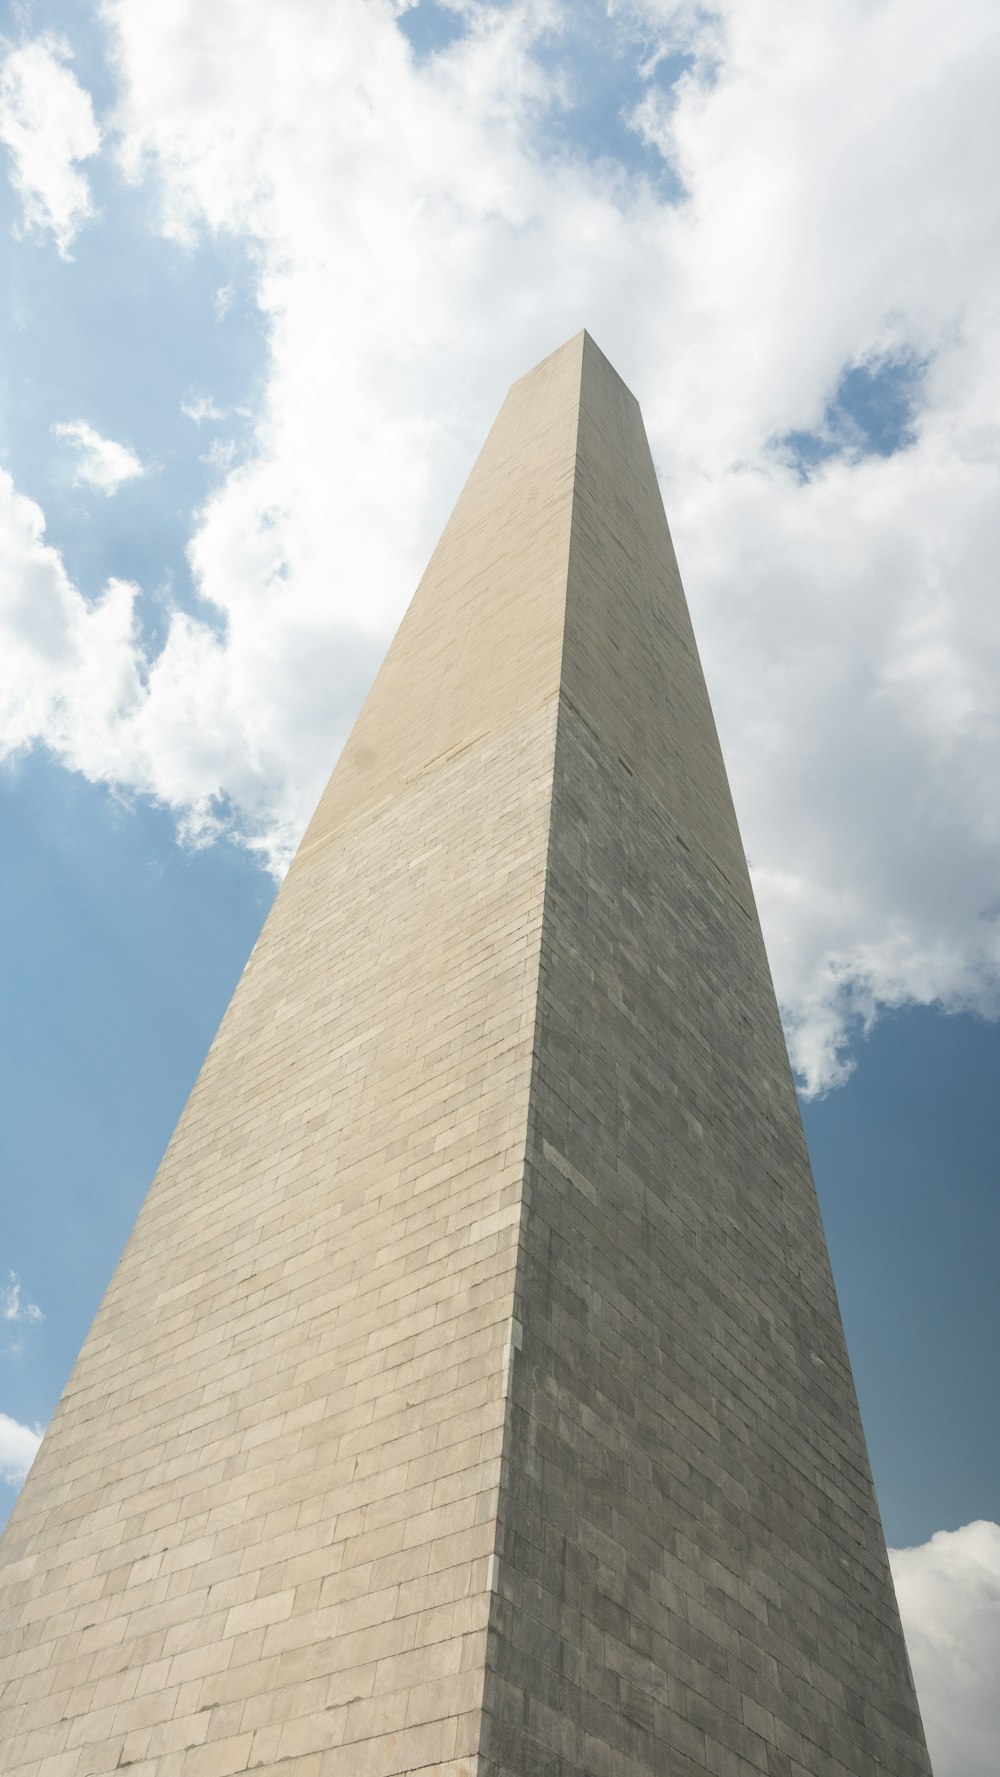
{"points": [[471, 1397]]}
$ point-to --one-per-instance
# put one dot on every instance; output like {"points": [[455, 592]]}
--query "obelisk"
{"points": [[471, 1398]]}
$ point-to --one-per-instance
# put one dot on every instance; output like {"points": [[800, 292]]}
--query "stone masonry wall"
{"points": [[692, 1572], [471, 1398], [259, 1531]]}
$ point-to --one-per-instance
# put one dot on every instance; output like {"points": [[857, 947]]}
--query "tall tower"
{"points": [[471, 1398]]}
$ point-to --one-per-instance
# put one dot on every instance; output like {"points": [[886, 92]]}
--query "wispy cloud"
{"points": [[47, 122], [201, 408], [949, 1600], [18, 1315], [100, 462], [18, 1446], [14, 1305]]}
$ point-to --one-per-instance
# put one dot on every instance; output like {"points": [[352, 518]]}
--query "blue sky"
{"points": [[276, 296]]}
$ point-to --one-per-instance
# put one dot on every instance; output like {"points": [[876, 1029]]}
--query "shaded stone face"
{"points": [[471, 1397]]}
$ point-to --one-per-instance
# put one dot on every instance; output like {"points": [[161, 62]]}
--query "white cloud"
{"points": [[18, 1446], [200, 408], [949, 1600], [18, 1315], [47, 122], [76, 680], [71, 671], [13, 1304], [100, 462], [416, 245]]}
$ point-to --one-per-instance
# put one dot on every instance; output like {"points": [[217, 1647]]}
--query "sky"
{"points": [[268, 272]]}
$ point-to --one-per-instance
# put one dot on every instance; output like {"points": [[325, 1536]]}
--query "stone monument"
{"points": [[471, 1398]]}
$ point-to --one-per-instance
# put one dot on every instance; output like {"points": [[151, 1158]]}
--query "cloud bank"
{"points": [[949, 1600], [419, 234]]}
